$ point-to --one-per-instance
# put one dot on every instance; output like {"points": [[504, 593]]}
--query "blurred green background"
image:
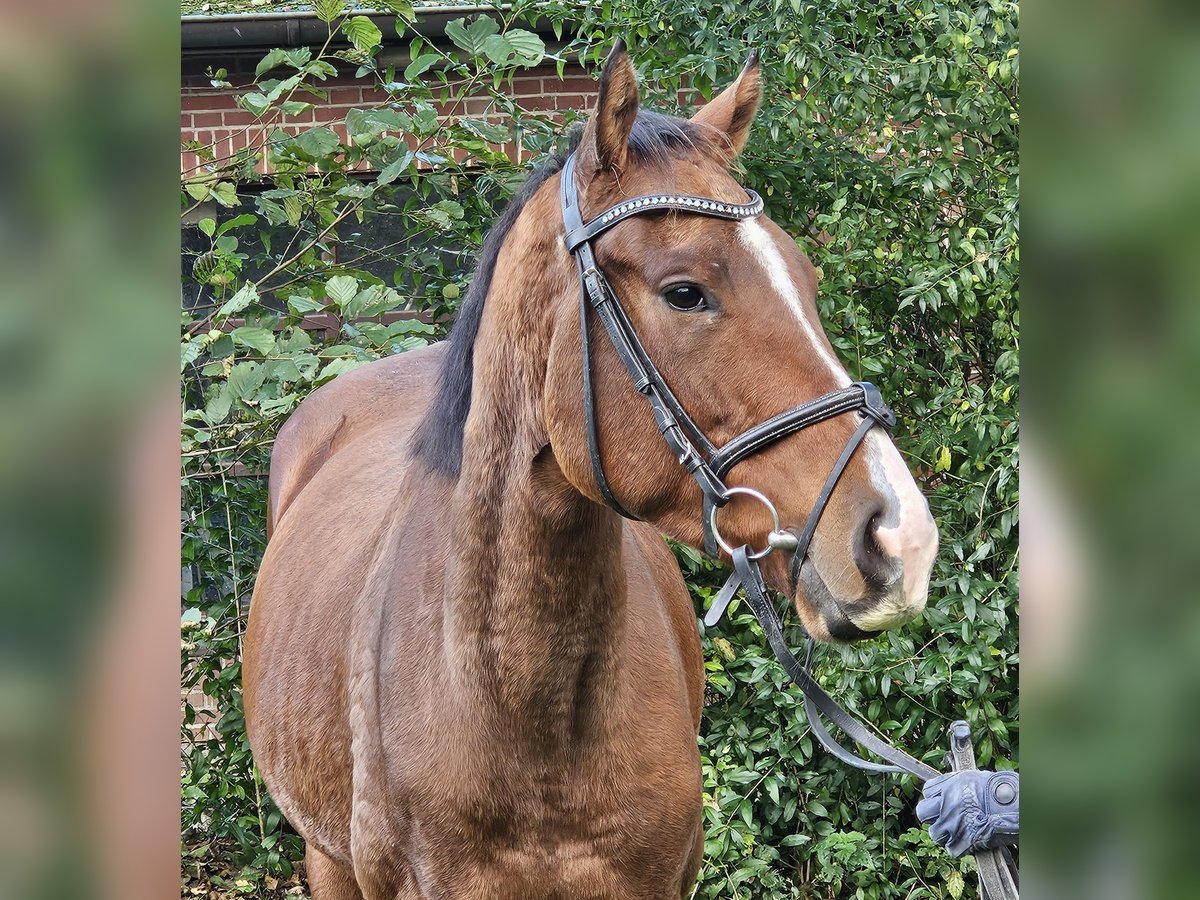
{"points": [[90, 768]]}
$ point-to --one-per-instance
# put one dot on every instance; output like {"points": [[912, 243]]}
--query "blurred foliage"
{"points": [[887, 145]]}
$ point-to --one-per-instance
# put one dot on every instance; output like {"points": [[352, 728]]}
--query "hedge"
{"points": [[887, 145]]}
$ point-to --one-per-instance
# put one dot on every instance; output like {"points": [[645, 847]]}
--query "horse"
{"points": [[467, 676]]}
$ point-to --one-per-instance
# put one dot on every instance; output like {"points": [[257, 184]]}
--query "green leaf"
{"points": [[295, 107], [208, 226], [254, 102], [526, 46], [370, 122], [954, 883], [224, 193], [472, 38], [341, 289], [245, 379], [395, 168], [772, 787], [276, 57], [372, 301], [255, 337], [216, 410], [402, 8], [239, 301], [317, 142], [338, 366], [300, 305], [795, 840], [421, 65], [293, 208], [492, 132], [942, 463], [189, 351], [328, 10], [496, 48], [362, 33], [237, 222]]}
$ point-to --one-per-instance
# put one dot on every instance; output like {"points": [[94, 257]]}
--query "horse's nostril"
{"points": [[886, 539], [874, 557]]}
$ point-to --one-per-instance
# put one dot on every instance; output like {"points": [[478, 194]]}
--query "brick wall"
{"points": [[212, 117]]}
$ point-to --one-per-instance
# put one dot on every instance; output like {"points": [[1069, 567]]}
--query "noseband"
{"points": [[709, 464]]}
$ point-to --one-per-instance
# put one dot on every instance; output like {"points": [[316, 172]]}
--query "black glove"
{"points": [[971, 810]]}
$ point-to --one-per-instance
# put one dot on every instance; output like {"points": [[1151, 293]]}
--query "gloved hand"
{"points": [[971, 810]]}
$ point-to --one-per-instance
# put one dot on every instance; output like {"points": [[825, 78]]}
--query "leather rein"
{"points": [[709, 464]]}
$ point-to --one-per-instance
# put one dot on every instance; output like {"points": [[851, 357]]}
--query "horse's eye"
{"points": [[685, 298]]}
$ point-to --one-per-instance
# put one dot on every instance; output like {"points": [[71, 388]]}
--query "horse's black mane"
{"points": [[439, 437]]}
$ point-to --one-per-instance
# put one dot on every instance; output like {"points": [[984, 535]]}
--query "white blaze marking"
{"points": [[907, 533], [759, 242]]}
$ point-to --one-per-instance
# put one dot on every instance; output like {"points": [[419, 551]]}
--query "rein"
{"points": [[709, 465]]}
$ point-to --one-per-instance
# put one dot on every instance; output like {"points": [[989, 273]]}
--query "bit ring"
{"points": [[761, 498]]}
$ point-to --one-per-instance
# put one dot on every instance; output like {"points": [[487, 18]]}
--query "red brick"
{"points": [[207, 120], [325, 115], [303, 117], [543, 102], [478, 106], [208, 101], [373, 96], [574, 83], [572, 101], [352, 96]]}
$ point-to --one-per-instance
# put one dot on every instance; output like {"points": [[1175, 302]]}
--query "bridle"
{"points": [[706, 463], [709, 464]]}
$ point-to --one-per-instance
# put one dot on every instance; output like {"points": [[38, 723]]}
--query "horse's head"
{"points": [[726, 310]]}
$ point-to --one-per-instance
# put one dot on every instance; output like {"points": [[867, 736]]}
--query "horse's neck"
{"points": [[535, 603], [535, 587]]}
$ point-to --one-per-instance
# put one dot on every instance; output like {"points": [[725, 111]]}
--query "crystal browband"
{"points": [[654, 202]]}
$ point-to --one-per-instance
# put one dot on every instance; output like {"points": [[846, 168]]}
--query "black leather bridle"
{"points": [[709, 464], [706, 463]]}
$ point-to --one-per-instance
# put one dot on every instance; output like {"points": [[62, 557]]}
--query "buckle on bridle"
{"points": [[875, 407]]}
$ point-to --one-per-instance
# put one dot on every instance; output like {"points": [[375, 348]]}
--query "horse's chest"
{"points": [[612, 827]]}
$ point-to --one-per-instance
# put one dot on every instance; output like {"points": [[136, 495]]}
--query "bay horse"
{"points": [[465, 675]]}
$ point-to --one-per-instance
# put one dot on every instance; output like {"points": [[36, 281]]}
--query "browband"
{"points": [[654, 203]]}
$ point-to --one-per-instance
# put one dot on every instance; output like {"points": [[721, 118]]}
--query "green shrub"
{"points": [[887, 145]]}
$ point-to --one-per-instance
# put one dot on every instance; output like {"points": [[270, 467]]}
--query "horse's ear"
{"points": [[605, 143], [732, 110]]}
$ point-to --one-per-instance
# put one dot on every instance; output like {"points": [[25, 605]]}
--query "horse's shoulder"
{"points": [[386, 391]]}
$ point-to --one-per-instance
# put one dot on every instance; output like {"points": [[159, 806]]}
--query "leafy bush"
{"points": [[887, 144]]}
